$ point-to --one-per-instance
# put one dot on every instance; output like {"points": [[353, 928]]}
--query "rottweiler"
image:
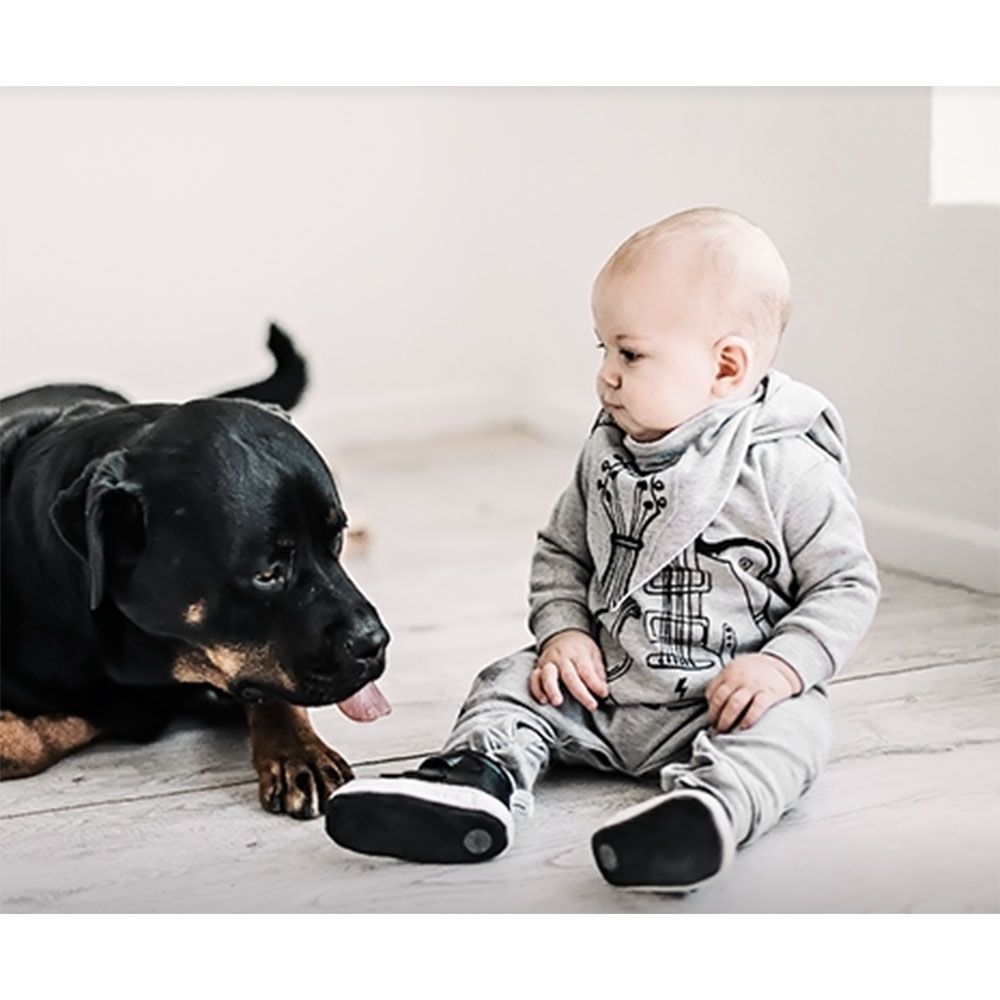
{"points": [[159, 556]]}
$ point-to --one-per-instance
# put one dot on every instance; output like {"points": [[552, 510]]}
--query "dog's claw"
{"points": [[300, 777], [341, 777]]}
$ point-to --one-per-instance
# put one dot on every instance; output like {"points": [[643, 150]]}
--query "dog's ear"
{"points": [[101, 507]]}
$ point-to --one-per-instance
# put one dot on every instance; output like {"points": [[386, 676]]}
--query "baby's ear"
{"points": [[733, 360]]}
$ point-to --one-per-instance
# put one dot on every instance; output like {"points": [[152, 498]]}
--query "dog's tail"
{"points": [[288, 381]]}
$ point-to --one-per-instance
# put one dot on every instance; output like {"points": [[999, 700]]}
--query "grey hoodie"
{"points": [[736, 532]]}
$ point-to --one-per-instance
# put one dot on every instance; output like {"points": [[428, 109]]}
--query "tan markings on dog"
{"points": [[195, 613], [28, 746], [220, 666]]}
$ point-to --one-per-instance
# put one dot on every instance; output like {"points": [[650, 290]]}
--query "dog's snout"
{"points": [[361, 636], [368, 642]]}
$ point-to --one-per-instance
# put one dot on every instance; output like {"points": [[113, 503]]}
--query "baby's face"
{"points": [[657, 326]]}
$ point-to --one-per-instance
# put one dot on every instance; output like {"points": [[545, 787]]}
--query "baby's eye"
{"points": [[600, 346], [628, 356]]}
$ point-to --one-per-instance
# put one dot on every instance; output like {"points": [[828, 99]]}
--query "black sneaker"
{"points": [[672, 843], [454, 808]]}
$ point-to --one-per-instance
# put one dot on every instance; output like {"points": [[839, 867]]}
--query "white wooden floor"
{"points": [[906, 817]]}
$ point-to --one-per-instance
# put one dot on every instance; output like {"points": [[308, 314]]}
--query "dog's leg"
{"points": [[296, 770], [28, 746]]}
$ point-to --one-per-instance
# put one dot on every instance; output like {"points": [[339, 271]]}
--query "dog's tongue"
{"points": [[365, 706]]}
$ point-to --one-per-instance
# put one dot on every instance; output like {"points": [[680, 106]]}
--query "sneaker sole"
{"points": [[675, 843], [419, 820]]}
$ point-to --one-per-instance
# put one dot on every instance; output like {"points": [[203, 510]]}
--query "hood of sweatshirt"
{"points": [[791, 409]]}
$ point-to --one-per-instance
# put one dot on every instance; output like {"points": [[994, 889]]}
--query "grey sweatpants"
{"points": [[757, 773]]}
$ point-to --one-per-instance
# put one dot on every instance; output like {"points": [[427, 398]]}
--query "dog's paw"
{"points": [[298, 778]]}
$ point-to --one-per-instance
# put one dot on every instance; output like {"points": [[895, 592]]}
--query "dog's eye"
{"points": [[272, 577]]}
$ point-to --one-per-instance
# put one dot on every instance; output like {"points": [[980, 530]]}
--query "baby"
{"points": [[702, 576]]}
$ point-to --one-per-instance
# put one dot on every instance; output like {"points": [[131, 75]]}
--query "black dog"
{"points": [[153, 553]]}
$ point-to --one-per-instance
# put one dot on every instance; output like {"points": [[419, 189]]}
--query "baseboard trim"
{"points": [[351, 420], [559, 417], [933, 546]]}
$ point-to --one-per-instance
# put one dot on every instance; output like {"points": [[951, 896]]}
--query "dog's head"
{"points": [[219, 528]]}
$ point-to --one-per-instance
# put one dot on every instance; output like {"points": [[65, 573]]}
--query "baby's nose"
{"points": [[608, 375]]}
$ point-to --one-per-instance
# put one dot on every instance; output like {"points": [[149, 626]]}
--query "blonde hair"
{"points": [[739, 254]]}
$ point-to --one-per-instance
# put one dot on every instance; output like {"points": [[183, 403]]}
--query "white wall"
{"points": [[432, 251], [147, 238]]}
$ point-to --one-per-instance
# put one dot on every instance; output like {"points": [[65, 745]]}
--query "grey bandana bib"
{"points": [[648, 501]]}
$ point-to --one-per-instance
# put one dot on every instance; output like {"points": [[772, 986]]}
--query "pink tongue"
{"points": [[365, 706]]}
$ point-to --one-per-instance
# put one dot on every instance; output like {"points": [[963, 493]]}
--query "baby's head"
{"points": [[688, 312]]}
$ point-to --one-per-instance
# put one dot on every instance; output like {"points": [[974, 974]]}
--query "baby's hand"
{"points": [[575, 659], [753, 682]]}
